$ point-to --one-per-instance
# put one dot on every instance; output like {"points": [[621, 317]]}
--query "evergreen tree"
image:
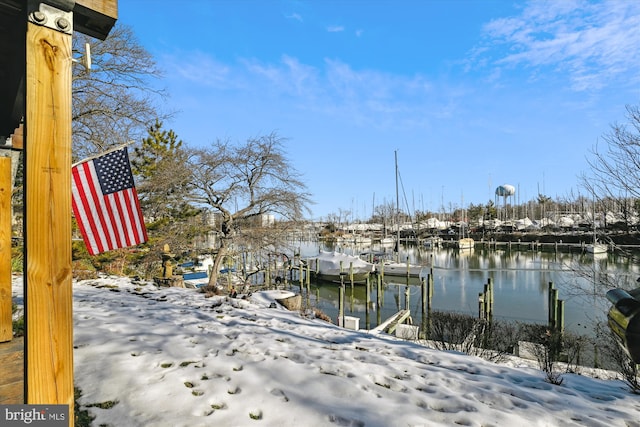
{"points": [[162, 181]]}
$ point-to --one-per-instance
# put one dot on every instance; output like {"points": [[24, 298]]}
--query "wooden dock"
{"points": [[12, 372], [536, 246], [389, 326]]}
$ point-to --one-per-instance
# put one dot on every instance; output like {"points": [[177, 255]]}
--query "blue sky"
{"points": [[471, 94]]}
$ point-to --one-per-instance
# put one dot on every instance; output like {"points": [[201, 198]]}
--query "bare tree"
{"points": [[115, 101], [385, 212], [243, 182], [615, 170]]}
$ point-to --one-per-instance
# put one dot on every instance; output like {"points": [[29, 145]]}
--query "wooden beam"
{"points": [[95, 18], [48, 291], [6, 324], [12, 29]]}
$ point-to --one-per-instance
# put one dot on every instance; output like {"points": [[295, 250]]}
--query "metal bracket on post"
{"points": [[56, 15]]}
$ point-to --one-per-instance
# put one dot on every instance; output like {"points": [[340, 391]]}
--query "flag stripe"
{"points": [[114, 222], [142, 230], [79, 212], [122, 220], [84, 216], [105, 203], [129, 203], [104, 235], [138, 228]]}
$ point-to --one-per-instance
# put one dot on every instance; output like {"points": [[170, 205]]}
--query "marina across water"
{"points": [[520, 278]]}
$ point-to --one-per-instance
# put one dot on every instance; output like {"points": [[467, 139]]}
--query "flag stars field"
{"points": [[105, 202]]}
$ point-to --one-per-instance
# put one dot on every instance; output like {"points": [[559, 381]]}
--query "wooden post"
{"points": [[491, 300], [430, 277], [560, 316], [287, 272], [408, 272], [48, 292], [429, 290], [37, 89], [367, 319], [553, 309], [6, 323], [341, 304], [550, 304], [308, 287], [485, 301], [379, 297], [407, 305], [300, 275], [423, 289]]}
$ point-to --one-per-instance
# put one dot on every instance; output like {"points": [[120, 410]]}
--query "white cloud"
{"points": [[335, 28], [199, 67], [295, 16], [593, 43], [335, 89]]}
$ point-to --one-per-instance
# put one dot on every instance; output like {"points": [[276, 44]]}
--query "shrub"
{"points": [[465, 333]]}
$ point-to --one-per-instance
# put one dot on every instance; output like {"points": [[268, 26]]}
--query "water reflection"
{"points": [[520, 279]]}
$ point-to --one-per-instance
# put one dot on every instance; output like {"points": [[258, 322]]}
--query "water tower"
{"points": [[505, 191]]}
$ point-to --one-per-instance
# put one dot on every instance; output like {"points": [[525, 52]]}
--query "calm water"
{"points": [[520, 280]]}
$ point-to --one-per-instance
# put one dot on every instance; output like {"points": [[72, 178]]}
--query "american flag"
{"points": [[105, 203]]}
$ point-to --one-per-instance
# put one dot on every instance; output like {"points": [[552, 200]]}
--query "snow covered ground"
{"points": [[171, 357]]}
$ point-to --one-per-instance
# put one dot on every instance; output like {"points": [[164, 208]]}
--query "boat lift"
{"points": [[624, 320]]}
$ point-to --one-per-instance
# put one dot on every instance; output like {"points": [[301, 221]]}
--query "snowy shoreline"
{"points": [[170, 357]]}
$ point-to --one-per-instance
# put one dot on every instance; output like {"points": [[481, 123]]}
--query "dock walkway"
{"points": [[12, 372], [389, 326]]}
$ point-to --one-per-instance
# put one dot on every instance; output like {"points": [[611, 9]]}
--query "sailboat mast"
{"points": [[397, 210]]}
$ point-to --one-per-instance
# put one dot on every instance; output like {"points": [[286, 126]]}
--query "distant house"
{"points": [[267, 220]]}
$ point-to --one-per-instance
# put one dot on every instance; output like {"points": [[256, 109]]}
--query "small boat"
{"points": [[596, 248], [339, 267], [465, 243], [387, 241], [362, 240], [432, 242], [195, 273], [390, 268], [385, 265], [196, 279]]}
